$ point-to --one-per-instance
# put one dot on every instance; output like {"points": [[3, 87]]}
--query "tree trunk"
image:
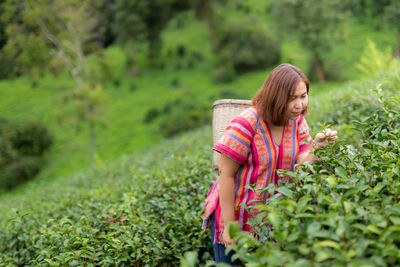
{"points": [[397, 50], [155, 45], [319, 70], [210, 26], [92, 135]]}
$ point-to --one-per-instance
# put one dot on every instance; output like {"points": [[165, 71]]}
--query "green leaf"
{"points": [[233, 228], [189, 259], [374, 229], [285, 191], [274, 218], [304, 250], [305, 216], [341, 172], [395, 220], [313, 228], [378, 188], [351, 254], [322, 255], [327, 243], [331, 181], [347, 207]]}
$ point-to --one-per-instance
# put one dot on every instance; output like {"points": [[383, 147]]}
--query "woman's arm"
{"points": [[228, 169], [320, 140]]}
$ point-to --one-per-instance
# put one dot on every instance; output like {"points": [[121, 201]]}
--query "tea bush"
{"points": [[354, 102], [141, 211], [341, 211], [22, 147]]}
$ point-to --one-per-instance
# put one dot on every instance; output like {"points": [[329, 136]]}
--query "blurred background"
{"points": [[84, 82]]}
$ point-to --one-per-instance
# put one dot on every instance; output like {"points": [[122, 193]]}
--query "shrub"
{"points": [[144, 210], [109, 65], [151, 115], [374, 61], [231, 94], [21, 151], [354, 102], [186, 114], [179, 115], [246, 45], [183, 58], [181, 50], [224, 73]]}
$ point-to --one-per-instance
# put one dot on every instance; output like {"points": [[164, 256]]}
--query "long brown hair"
{"points": [[272, 99]]}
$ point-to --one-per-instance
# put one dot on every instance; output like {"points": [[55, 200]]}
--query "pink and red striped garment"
{"points": [[249, 141]]}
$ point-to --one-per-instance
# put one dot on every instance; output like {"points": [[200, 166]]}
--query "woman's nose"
{"points": [[297, 103]]}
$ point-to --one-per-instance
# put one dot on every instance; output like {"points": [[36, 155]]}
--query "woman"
{"points": [[271, 135]]}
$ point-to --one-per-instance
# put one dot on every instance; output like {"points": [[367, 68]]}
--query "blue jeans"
{"points": [[219, 249]]}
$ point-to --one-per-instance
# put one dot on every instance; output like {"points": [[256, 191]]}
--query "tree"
{"points": [[366, 10], [392, 17], [378, 11], [144, 21], [243, 46], [314, 23], [69, 27], [22, 49], [205, 9]]}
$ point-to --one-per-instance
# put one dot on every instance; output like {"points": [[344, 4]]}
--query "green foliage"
{"points": [[22, 48], [83, 105], [108, 65], [315, 25], [343, 210], [366, 10], [352, 101], [34, 28], [128, 105], [244, 46], [144, 210], [392, 17], [392, 13], [230, 94], [144, 20], [179, 115], [374, 61], [22, 147]]}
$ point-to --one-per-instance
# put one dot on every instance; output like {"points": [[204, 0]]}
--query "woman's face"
{"points": [[298, 101]]}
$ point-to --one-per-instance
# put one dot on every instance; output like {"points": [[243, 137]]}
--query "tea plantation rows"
{"points": [[145, 210], [342, 211]]}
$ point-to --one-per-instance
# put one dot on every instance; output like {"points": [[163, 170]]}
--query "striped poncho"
{"points": [[248, 140]]}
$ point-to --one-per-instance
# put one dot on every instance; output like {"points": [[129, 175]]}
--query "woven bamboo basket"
{"points": [[224, 111]]}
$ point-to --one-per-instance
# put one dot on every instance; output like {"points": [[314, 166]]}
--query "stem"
{"points": [[210, 25], [397, 50], [319, 70]]}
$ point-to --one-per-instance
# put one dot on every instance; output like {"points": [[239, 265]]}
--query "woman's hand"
{"points": [[320, 140], [226, 239], [323, 139]]}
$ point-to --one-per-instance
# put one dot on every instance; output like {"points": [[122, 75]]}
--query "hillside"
{"points": [[133, 93], [146, 208]]}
